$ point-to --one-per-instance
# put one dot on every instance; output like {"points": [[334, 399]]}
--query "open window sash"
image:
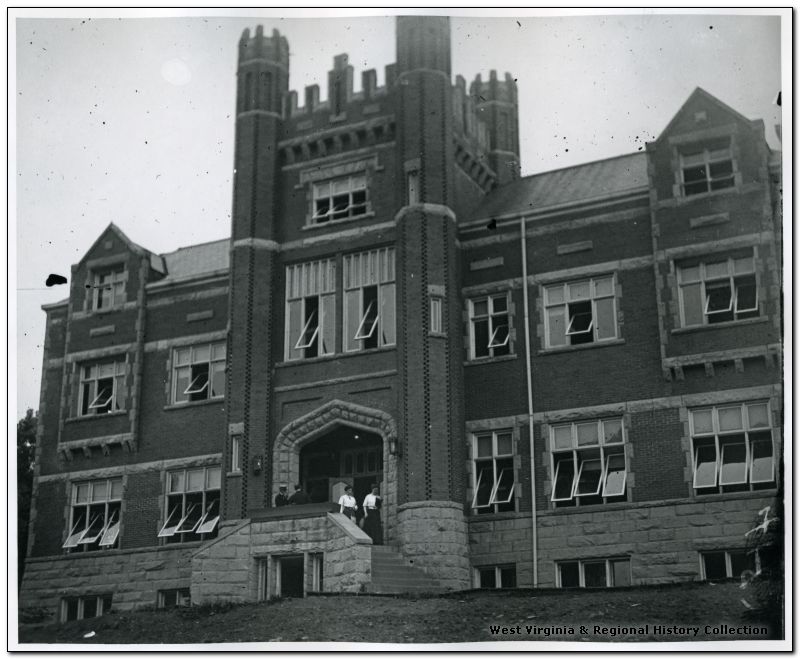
{"points": [[188, 525], [103, 399], [493, 497], [494, 342], [583, 484], [169, 530], [198, 385], [741, 308], [565, 470], [712, 299], [571, 329], [75, 533], [762, 461], [303, 342], [733, 465], [705, 468], [362, 332], [93, 531], [615, 476], [208, 522], [475, 503], [111, 531]]}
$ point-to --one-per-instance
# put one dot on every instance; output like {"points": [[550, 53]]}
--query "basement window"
{"points": [[496, 576], [172, 597], [594, 573], [85, 606], [730, 564]]}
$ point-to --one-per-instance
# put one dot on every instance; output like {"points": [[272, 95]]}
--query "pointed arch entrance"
{"points": [[339, 442]]}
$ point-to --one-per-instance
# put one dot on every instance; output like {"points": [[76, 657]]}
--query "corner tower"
{"points": [[263, 80], [431, 523], [496, 103]]}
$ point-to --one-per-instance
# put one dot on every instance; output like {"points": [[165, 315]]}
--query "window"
{"points": [[728, 564], [108, 285], [86, 606], [594, 573], [170, 598], [192, 511], [340, 198], [102, 388], [497, 576], [436, 315], [489, 327], [580, 312], [95, 515], [707, 169], [236, 455], [317, 563], [310, 309], [369, 299], [588, 462], [732, 448], [493, 472], [199, 373], [718, 291]]}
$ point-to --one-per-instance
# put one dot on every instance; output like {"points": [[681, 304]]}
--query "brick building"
{"points": [[567, 379]]}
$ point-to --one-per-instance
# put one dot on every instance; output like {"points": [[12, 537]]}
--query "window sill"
{"points": [[726, 496], [493, 517], [335, 355], [582, 346], [684, 199], [91, 417], [194, 403], [346, 220], [489, 360], [713, 326], [230, 474]]}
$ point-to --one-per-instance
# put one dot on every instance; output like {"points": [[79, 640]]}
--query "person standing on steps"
{"points": [[299, 497], [280, 498], [372, 516], [347, 503]]}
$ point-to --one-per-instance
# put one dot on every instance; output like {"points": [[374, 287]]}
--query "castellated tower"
{"points": [[431, 513], [263, 80], [496, 103]]}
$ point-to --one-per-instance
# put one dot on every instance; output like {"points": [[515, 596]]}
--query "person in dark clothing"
{"points": [[299, 497], [280, 498], [372, 516]]}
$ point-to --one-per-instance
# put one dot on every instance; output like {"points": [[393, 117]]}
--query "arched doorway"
{"points": [[344, 455]]}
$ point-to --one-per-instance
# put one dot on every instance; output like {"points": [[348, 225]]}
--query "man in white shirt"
{"points": [[347, 503], [372, 516]]}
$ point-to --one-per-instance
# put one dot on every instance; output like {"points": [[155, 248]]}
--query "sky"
{"points": [[130, 119]]}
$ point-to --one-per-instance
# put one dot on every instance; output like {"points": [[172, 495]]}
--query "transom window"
{"points": [[108, 285], [199, 372], [340, 198], [369, 299], [102, 388], [594, 573], [310, 309], [718, 291], [496, 576], [95, 515], [707, 169], [732, 448], [588, 462], [580, 312], [728, 564], [493, 472], [192, 511], [489, 326]]}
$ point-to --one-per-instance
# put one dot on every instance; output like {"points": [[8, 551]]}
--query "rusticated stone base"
{"points": [[433, 537]]}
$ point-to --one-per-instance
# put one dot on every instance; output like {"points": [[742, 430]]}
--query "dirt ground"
{"points": [[464, 617]]}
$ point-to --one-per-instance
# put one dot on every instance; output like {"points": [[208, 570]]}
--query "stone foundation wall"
{"points": [[132, 577], [662, 539], [433, 537], [236, 566]]}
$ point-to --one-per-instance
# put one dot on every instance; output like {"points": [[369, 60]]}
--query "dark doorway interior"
{"points": [[344, 454], [291, 568]]}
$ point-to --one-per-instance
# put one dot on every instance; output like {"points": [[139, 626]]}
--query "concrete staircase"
{"points": [[391, 574]]}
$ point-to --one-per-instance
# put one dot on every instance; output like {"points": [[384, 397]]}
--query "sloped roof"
{"points": [[564, 186], [197, 259]]}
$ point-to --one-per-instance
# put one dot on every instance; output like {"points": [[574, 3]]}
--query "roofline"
{"points": [[55, 305], [208, 242], [583, 164], [188, 279]]}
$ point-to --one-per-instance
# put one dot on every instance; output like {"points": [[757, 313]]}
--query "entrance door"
{"points": [[290, 575]]}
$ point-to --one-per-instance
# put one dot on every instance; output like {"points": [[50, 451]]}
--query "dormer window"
{"points": [[340, 198], [706, 168], [108, 285]]}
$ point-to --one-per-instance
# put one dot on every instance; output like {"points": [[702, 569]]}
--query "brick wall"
{"points": [[48, 523], [657, 457], [142, 512]]}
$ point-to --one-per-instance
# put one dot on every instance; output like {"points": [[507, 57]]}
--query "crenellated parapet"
{"points": [[497, 108]]}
